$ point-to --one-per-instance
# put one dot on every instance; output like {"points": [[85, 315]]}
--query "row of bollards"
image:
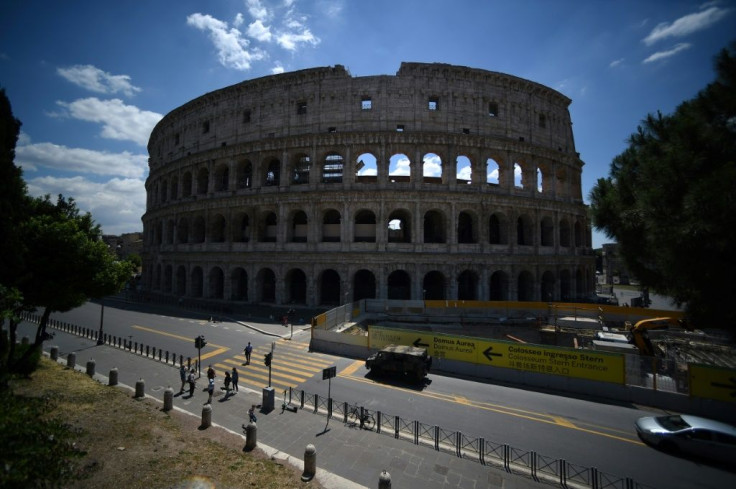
{"points": [[251, 430]]}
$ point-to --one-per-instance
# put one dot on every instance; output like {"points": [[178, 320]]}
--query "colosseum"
{"points": [[317, 188]]}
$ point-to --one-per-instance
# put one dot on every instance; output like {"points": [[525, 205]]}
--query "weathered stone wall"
{"points": [[257, 192]]}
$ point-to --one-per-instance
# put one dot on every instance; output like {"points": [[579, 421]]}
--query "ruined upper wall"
{"points": [[422, 97]]}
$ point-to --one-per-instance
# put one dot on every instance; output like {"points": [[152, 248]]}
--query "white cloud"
{"points": [[258, 11], [116, 205], [686, 25], [401, 166], [238, 20], [432, 166], [289, 40], [615, 63], [79, 160], [277, 68], [96, 80], [259, 32], [119, 121], [232, 47], [660, 55]]}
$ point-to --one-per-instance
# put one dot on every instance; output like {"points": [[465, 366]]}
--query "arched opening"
{"points": [[564, 233], [170, 230], [366, 170], [273, 173], [168, 276], [296, 287], [525, 286], [466, 228], [239, 285], [216, 283], [540, 180], [524, 231], [399, 169], [399, 286], [267, 227], [300, 171], [580, 288], [331, 226], [174, 188], [492, 172], [434, 286], [546, 232], [434, 227], [518, 176], [181, 281], [364, 285], [186, 185], [365, 227], [548, 286], [298, 227], [332, 168], [244, 175], [197, 282], [198, 230], [431, 168], [497, 229], [498, 286], [329, 288], [164, 191], [217, 229], [463, 171], [266, 285], [203, 181], [157, 277], [241, 228], [467, 286], [579, 239], [399, 227], [222, 177], [565, 284], [182, 231]]}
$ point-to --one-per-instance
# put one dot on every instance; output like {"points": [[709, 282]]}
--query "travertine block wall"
{"points": [[286, 189]]}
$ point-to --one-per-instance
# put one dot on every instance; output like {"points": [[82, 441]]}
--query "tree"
{"points": [[670, 201], [52, 257]]}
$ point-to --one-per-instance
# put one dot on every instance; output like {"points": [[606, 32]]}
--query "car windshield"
{"points": [[673, 423]]}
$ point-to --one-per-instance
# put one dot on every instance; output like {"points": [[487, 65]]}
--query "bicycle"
{"points": [[366, 420]]}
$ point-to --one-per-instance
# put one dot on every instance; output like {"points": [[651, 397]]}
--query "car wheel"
{"points": [[669, 447]]}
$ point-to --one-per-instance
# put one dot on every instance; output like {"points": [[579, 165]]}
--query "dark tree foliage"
{"points": [[670, 201]]}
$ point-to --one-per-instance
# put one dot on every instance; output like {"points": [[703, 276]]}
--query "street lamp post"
{"points": [[100, 341]]}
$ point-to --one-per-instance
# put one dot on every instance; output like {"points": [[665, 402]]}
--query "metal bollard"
{"points": [[206, 416], [251, 437], [91, 367], [384, 480], [71, 360], [54, 353], [113, 379], [140, 388], [168, 399], [310, 463]]}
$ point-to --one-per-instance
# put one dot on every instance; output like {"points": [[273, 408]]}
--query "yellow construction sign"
{"points": [[718, 383], [569, 362]]}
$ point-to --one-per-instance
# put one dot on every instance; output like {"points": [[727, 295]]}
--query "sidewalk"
{"points": [[347, 457]]}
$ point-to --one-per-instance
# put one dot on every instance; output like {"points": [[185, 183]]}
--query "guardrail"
{"points": [[147, 351], [539, 467]]}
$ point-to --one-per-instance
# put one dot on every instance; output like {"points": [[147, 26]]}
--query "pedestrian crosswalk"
{"points": [[292, 364]]}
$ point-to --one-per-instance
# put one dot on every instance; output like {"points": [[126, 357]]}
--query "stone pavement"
{"points": [[346, 457]]}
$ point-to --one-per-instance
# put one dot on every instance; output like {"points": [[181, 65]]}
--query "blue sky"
{"points": [[89, 82]]}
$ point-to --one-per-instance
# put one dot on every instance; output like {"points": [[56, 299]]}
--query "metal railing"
{"points": [[516, 460]]}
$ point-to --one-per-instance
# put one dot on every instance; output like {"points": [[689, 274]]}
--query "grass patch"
{"points": [[59, 428]]}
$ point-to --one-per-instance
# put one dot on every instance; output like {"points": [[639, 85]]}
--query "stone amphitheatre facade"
{"points": [[317, 188]]}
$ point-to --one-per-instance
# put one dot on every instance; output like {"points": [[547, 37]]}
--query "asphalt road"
{"points": [[585, 432]]}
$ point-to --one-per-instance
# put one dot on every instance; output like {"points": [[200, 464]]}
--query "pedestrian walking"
{"points": [[227, 383], [252, 413], [210, 373], [210, 390], [248, 351], [234, 378], [192, 381], [183, 376]]}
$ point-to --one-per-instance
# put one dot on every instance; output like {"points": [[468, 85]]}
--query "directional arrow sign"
{"points": [[418, 343], [731, 386], [488, 354]]}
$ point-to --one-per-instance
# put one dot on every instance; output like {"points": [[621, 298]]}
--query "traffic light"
{"points": [[267, 359], [199, 342]]}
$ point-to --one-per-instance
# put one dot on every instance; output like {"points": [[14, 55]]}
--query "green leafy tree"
{"points": [[670, 201]]}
